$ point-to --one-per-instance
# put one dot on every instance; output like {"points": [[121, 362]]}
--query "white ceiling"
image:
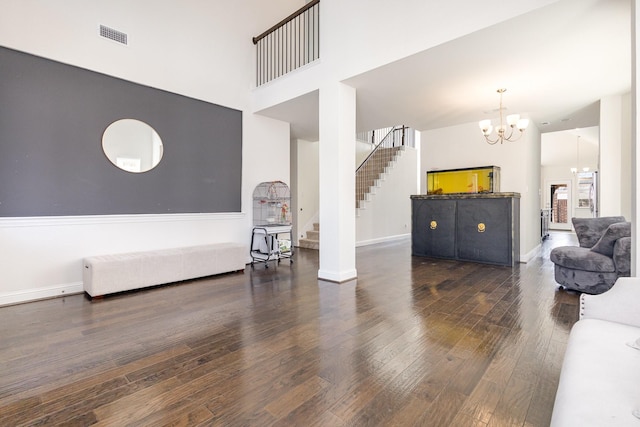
{"points": [[556, 62], [571, 148]]}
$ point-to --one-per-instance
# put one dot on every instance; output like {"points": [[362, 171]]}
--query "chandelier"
{"points": [[574, 170], [513, 122]]}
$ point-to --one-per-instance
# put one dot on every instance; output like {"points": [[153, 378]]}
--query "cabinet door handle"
{"points": [[481, 227], [433, 225]]}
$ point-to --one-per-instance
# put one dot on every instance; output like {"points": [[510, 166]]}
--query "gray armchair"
{"points": [[604, 255]]}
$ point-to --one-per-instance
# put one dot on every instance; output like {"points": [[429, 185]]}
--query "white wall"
{"points": [[635, 136], [529, 163], [199, 49], [306, 195], [626, 180], [615, 155], [363, 149], [387, 215], [207, 56], [463, 146], [610, 155]]}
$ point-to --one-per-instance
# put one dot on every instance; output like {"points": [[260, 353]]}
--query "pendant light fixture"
{"points": [[575, 169], [513, 122]]}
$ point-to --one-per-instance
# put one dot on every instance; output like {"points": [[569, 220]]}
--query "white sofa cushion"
{"points": [[619, 304], [600, 380]]}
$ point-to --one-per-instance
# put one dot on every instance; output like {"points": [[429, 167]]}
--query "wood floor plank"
{"points": [[347, 408], [293, 398], [79, 411], [191, 415], [317, 410], [73, 388], [412, 341], [462, 420], [412, 413], [434, 382], [127, 409], [444, 408], [480, 405], [514, 403]]}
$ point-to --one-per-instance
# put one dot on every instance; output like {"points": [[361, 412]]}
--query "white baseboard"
{"points": [[530, 255], [56, 221], [339, 276], [9, 298], [383, 239]]}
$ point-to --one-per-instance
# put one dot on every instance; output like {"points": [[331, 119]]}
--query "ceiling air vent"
{"points": [[115, 35]]}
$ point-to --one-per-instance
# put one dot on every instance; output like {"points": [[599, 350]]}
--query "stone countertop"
{"points": [[464, 196]]}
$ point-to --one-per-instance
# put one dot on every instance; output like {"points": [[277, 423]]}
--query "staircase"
{"points": [[389, 145], [312, 241], [370, 174], [386, 151], [368, 177]]}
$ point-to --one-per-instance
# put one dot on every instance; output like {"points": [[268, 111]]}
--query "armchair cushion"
{"points": [[582, 259], [589, 230], [614, 232], [622, 256]]}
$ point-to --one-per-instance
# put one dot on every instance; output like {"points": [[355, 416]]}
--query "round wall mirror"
{"points": [[132, 145]]}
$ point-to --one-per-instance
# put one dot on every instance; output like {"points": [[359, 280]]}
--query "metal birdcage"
{"points": [[271, 237], [271, 204]]}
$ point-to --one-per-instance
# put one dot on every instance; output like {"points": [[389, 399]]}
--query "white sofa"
{"points": [[600, 377], [106, 274]]}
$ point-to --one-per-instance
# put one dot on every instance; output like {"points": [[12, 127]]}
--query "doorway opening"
{"points": [[558, 202]]}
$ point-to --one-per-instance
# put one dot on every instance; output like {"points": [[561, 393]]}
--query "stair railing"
{"points": [[288, 45], [369, 170], [395, 137]]}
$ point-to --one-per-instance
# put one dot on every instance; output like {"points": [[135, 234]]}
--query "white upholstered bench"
{"points": [[106, 274]]}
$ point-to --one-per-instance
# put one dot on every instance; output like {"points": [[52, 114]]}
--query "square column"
{"points": [[610, 156], [635, 136], [337, 118]]}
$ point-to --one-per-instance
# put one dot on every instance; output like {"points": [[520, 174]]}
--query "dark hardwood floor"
{"points": [[411, 342]]}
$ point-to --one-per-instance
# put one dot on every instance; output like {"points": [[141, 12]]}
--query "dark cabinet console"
{"points": [[468, 227]]}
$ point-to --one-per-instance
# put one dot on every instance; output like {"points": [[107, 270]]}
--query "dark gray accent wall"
{"points": [[52, 117]]}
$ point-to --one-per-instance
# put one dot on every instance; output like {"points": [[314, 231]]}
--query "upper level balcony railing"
{"points": [[288, 45]]}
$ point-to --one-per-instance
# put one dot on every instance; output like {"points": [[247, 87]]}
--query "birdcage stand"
{"points": [[271, 243]]}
